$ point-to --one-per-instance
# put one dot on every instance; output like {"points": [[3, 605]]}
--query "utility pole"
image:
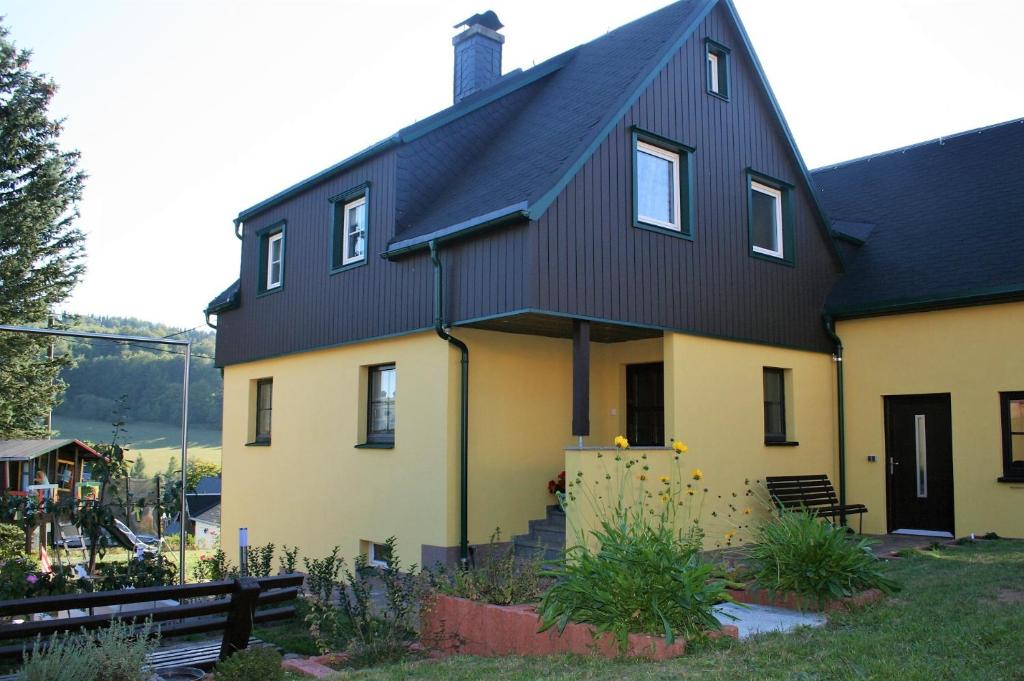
{"points": [[49, 359]]}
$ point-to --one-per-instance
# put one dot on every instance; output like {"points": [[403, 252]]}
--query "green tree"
{"points": [[40, 248], [139, 467], [199, 469]]}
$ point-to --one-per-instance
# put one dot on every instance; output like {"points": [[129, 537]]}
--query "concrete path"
{"points": [[759, 619]]}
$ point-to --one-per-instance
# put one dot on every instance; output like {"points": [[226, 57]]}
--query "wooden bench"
{"points": [[231, 606], [813, 493]]}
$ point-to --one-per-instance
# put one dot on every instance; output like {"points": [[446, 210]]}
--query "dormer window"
{"points": [[271, 272], [349, 233], [661, 196], [718, 69]]}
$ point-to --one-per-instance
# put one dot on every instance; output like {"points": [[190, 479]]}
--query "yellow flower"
{"points": [[729, 535], [690, 491], [664, 479], [665, 498], [621, 442], [746, 511], [641, 477], [679, 447], [697, 474]]}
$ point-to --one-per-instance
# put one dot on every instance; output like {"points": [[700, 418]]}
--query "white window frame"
{"points": [[777, 195], [674, 159], [371, 555], [713, 72], [277, 237], [346, 257]]}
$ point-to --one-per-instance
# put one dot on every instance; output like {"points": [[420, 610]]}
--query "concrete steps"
{"points": [[546, 539]]}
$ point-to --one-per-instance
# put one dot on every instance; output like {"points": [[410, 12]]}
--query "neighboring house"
{"points": [[62, 461], [203, 508], [621, 239]]}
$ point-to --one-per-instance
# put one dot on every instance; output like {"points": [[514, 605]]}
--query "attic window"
{"points": [[661, 196], [271, 269], [349, 232], [769, 218], [718, 69]]}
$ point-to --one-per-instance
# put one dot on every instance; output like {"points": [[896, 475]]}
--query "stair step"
{"points": [[531, 550], [548, 525]]}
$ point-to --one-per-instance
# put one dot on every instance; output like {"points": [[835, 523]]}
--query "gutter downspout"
{"points": [[463, 411], [840, 407]]}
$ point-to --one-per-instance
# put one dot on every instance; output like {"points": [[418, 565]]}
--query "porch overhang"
{"points": [[537, 323]]}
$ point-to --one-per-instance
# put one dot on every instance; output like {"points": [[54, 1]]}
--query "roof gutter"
{"points": [[463, 410], [830, 329], [496, 218]]}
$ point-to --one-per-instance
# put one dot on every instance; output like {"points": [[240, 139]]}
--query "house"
{"points": [[623, 239], [203, 509]]}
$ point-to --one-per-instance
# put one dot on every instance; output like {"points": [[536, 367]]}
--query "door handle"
{"points": [[892, 462]]}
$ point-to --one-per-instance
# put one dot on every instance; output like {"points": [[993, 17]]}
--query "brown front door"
{"points": [[919, 463], [645, 404]]}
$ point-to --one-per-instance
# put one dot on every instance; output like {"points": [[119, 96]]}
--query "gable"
{"points": [[593, 262]]}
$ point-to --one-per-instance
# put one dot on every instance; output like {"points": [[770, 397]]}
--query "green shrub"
{"points": [[260, 559], [500, 578], [12, 541], [643, 579], [117, 653], [796, 551], [251, 664], [150, 571]]}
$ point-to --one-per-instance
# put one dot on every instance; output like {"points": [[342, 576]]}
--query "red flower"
{"points": [[557, 485]]}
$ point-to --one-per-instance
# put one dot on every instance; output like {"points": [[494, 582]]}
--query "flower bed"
{"points": [[458, 625], [793, 601]]}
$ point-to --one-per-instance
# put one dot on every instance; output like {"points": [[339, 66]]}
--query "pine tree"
{"points": [[40, 248]]}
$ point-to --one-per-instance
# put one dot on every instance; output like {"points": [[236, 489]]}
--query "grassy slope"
{"points": [[947, 623], [156, 442]]}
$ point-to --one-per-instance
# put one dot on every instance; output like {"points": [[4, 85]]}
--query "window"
{"points": [[264, 406], [774, 405], [378, 555], [1013, 435], [661, 177], [769, 219], [271, 271], [718, 69], [349, 234], [380, 406]]}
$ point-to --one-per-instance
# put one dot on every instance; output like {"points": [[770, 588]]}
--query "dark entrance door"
{"points": [[645, 404], [919, 462]]}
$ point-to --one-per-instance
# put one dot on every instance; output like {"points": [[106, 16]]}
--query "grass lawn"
{"points": [[959, 616], [157, 443]]}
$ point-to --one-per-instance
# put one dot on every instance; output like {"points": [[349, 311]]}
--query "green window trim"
{"points": [[722, 58], [338, 202], [788, 256], [263, 236], [686, 208]]}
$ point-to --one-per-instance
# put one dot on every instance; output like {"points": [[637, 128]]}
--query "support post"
{"points": [[240, 616], [580, 377]]}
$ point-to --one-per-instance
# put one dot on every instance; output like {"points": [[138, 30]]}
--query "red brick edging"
{"points": [[459, 625], [793, 601]]}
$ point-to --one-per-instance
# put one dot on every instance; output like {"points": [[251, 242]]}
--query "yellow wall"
{"points": [[714, 403], [972, 354], [311, 487]]}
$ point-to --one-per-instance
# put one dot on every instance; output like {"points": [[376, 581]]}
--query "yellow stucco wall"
{"points": [[311, 487], [972, 354], [714, 403]]}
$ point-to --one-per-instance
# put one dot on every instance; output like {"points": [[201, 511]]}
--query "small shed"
{"points": [[60, 462]]}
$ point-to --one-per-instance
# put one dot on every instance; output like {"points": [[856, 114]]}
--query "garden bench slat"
{"points": [[97, 599], [814, 493]]}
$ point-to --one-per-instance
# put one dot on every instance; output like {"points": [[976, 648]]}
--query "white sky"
{"points": [[188, 112]]}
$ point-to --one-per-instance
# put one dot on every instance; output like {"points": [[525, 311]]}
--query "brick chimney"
{"points": [[477, 54]]}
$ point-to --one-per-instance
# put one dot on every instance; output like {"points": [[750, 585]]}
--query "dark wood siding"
{"points": [[593, 262]]}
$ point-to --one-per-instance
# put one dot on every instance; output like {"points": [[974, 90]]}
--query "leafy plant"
{"points": [[250, 664], [116, 653], [157, 571], [500, 578], [12, 541], [796, 551], [288, 561], [214, 567], [640, 570], [260, 560]]}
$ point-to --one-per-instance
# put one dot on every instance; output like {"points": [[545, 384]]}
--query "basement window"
{"points": [[718, 69], [661, 183], [271, 271], [378, 555], [1012, 404]]}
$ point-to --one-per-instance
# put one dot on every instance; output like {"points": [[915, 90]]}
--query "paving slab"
{"points": [[760, 619]]}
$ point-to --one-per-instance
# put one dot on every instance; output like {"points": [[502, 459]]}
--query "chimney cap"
{"points": [[486, 19]]}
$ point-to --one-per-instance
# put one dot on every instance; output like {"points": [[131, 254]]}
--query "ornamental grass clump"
{"points": [[795, 551], [640, 570]]}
